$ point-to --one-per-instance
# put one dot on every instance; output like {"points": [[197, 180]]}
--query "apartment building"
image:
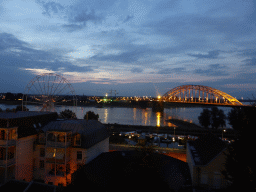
{"points": [[65, 145], [206, 157], [37, 146], [18, 133]]}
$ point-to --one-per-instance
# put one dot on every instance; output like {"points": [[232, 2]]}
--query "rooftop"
{"points": [[135, 170], [206, 148], [91, 131]]}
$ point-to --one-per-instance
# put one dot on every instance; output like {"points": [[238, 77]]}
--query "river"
{"points": [[133, 116]]}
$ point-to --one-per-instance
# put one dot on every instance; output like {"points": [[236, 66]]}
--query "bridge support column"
{"points": [[157, 106]]}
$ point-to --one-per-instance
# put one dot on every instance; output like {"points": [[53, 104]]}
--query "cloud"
{"points": [[75, 16], [19, 54], [82, 16], [128, 18], [136, 70], [212, 70], [75, 68], [210, 55], [172, 70], [250, 62], [8, 41], [51, 7]]}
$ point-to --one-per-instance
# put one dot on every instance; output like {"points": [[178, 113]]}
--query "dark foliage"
{"points": [[215, 118], [90, 115], [67, 114], [205, 118], [240, 164], [19, 108]]}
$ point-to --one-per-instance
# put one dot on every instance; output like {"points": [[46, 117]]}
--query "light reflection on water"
{"points": [[133, 116]]}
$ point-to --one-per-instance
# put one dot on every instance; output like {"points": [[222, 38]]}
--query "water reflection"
{"points": [[158, 117], [132, 116], [106, 115]]}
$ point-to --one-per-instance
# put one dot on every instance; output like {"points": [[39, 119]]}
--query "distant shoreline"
{"points": [[124, 104]]}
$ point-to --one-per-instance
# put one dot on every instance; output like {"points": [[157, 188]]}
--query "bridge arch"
{"points": [[200, 94]]}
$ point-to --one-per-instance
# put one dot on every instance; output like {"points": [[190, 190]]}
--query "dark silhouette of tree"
{"points": [[19, 108], [90, 115], [205, 118], [67, 114], [240, 162], [237, 118], [215, 118]]}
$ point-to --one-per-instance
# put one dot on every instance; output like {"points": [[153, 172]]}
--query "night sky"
{"points": [[137, 47]]}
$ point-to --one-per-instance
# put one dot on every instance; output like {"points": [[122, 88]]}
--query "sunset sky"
{"points": [[137, 47]]}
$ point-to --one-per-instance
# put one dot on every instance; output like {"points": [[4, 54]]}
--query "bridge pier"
{"points": [[157, 106]]}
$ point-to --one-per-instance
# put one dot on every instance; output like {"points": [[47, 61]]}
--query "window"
{"points": [[42, 152], [79, 155], [11, 151], [2, 135], [2, 153], [51, 137], [78, 140], [41, 164]]}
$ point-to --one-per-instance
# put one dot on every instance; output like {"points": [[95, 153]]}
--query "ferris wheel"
{"points": [[48, 90]]}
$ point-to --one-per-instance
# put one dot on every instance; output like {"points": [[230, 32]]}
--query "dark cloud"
{"points": [[210, 55], [76, 16], [9, 41], [82, 16], [250, 62], [50, 7], [75, 68], [19, 54], [201, 28], [212, 70], [73, 27], [128, 18], [172, 70], [165, 6], [247, 53], [136, 70]]}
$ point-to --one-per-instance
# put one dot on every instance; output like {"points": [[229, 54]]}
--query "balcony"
{"points": [[9, 162], [7, 142], [57, 144]]}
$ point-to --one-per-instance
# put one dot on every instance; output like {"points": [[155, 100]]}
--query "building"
{"points": [[37, 146], [206, 159], [18, 133], [64, 146], [133, 171]]}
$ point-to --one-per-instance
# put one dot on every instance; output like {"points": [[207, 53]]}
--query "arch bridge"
{"points": [[200, 94]]}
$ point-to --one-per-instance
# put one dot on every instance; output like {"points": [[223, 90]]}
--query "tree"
{"points": [[237, 118], [205, 118], [67, 114], [240, 162], [90, 115], [215, 118], [19, 108]]}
